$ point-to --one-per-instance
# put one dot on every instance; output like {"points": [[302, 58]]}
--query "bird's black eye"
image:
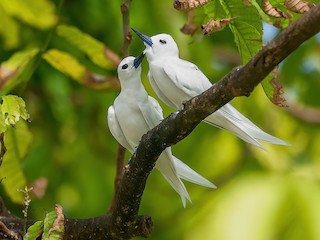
{"points": [[124, 66], [162, 41]]}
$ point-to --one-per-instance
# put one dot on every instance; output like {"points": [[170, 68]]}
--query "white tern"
{"points": [[175, 80], [133, 113]]}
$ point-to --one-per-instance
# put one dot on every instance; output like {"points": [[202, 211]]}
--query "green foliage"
{"points": [[12, 108], [34, 231], [94, 49], [17, 142], [18, 69], [65, 63], [246, 28], [40, 13], [261, 195], [46, 228], [280, 207]]}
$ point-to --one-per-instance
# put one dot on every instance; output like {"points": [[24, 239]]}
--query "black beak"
{"points": [[138, 60], [144, 38]]}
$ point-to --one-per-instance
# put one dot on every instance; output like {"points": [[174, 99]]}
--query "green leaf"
{"points": [[246, 28], [13, 108], [34, 231], [17, 69], [48, 223], [89, 45], [54, 224], [9, 30], [17, 142], [65, 63], [40, 13]]}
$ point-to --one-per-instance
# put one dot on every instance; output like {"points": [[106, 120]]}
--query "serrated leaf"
{"points": [[17, 142], [17, 69], [66, 63], [34, 231], [40, 13], [247, 30], [94, 49], [13, 107]]}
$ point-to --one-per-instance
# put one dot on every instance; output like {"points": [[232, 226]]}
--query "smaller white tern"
{"points": [[133, 113], [175, 80]]}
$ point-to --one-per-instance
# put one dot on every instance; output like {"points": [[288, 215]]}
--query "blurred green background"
{"points": [[272, 194]]}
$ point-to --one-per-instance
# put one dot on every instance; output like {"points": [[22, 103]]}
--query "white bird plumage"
{"points": [[133, 113], [175, 80]]}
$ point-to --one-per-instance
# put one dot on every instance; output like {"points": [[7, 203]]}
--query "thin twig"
{"points": [[127, 37], [118, 177], [3, 148], [305, 113], [125, 6], [7, 233]]}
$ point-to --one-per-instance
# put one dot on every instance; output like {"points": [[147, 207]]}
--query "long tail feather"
{"points": [[165, 165], [188, 174], [230, 119]]}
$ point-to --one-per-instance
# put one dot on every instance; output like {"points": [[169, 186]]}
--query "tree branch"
{"points": [[239, 82], [124, 222]]}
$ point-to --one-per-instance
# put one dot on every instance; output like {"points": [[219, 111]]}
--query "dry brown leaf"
{"points": [[39, 187], [278, 96], [247, 3], [190, 27], [6, 74], [215, 25], [112, 56], [298, 6], [187, 5], [58, 224], [271, 10]]}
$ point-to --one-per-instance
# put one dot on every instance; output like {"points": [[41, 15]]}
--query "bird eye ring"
{"points": [[124, 66], [162, 41]]}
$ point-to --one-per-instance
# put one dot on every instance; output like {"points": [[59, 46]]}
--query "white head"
{"points": [[161, 45], [129, 68]]}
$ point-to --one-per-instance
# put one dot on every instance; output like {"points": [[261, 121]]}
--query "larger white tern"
{"points": [[133, 113], [175, 80]]}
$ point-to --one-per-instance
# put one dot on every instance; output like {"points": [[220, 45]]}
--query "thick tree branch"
{"points": [[124, 222], [239, 82]]}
